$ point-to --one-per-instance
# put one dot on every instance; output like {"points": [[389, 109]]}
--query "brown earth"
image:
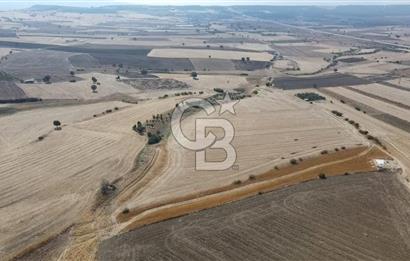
{"points": [[355, 217]]}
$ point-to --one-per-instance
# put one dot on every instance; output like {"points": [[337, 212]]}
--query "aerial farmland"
{"points": [[204, 133]]}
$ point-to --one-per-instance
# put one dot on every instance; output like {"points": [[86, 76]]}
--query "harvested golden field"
{"points": [[385, 92], [270, 130], [81, 89], [46, 184], [395, 139], [308, 65], [349, 161], [216, 54], [377, 104], [208, 82]]}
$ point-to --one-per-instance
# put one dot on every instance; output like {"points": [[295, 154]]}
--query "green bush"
{"points": [[154, 139]]}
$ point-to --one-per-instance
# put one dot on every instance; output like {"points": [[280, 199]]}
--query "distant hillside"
{"points": [[355, 15]]}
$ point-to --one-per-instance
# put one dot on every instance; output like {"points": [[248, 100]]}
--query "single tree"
{"points": [[47, 78], [94, 88], [72, 73], [57, 125], [194, 74], [94, 79]]}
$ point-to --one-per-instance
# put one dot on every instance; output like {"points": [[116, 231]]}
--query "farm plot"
{"points": [[142, 61], [300, 50], [213, 64], [37, 64], [370, 68], [385, 92], [346, 217], [269, 130], [401, 82], [374, 103], [10, 91], [81, 89], [203, 53], [208, 82], [46, 184], [25, 127], [308, 65], [157, 84], [330, 80]]}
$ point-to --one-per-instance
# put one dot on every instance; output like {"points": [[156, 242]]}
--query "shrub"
{"points": [[310, 96], [47, 78], [364, 132], [322, 176], [154, 139], [323, 152], [107, 188], [337, 113], [293, 162], [125, 211], [252, 177], [219, 90], [255, 92], [237, 182], [57, 125], [40, 138]]}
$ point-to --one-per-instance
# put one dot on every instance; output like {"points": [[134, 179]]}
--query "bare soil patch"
{"points": [[331, 80]]}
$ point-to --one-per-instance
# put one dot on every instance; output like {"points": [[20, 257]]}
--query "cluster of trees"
{"points": [[310, 96], [47, 79], [139, 127], [219, 90], [337, 113], [107, 188], [245, 59], [154, 138], [94, 85]]}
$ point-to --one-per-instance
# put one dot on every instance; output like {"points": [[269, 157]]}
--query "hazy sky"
{"points": [[26, 3]]}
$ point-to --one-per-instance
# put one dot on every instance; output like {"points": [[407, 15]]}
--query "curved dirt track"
{"points": [[356, 217]]}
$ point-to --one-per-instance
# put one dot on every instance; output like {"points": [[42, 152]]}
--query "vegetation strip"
{"points": [[382, 116], [371, 95]]}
